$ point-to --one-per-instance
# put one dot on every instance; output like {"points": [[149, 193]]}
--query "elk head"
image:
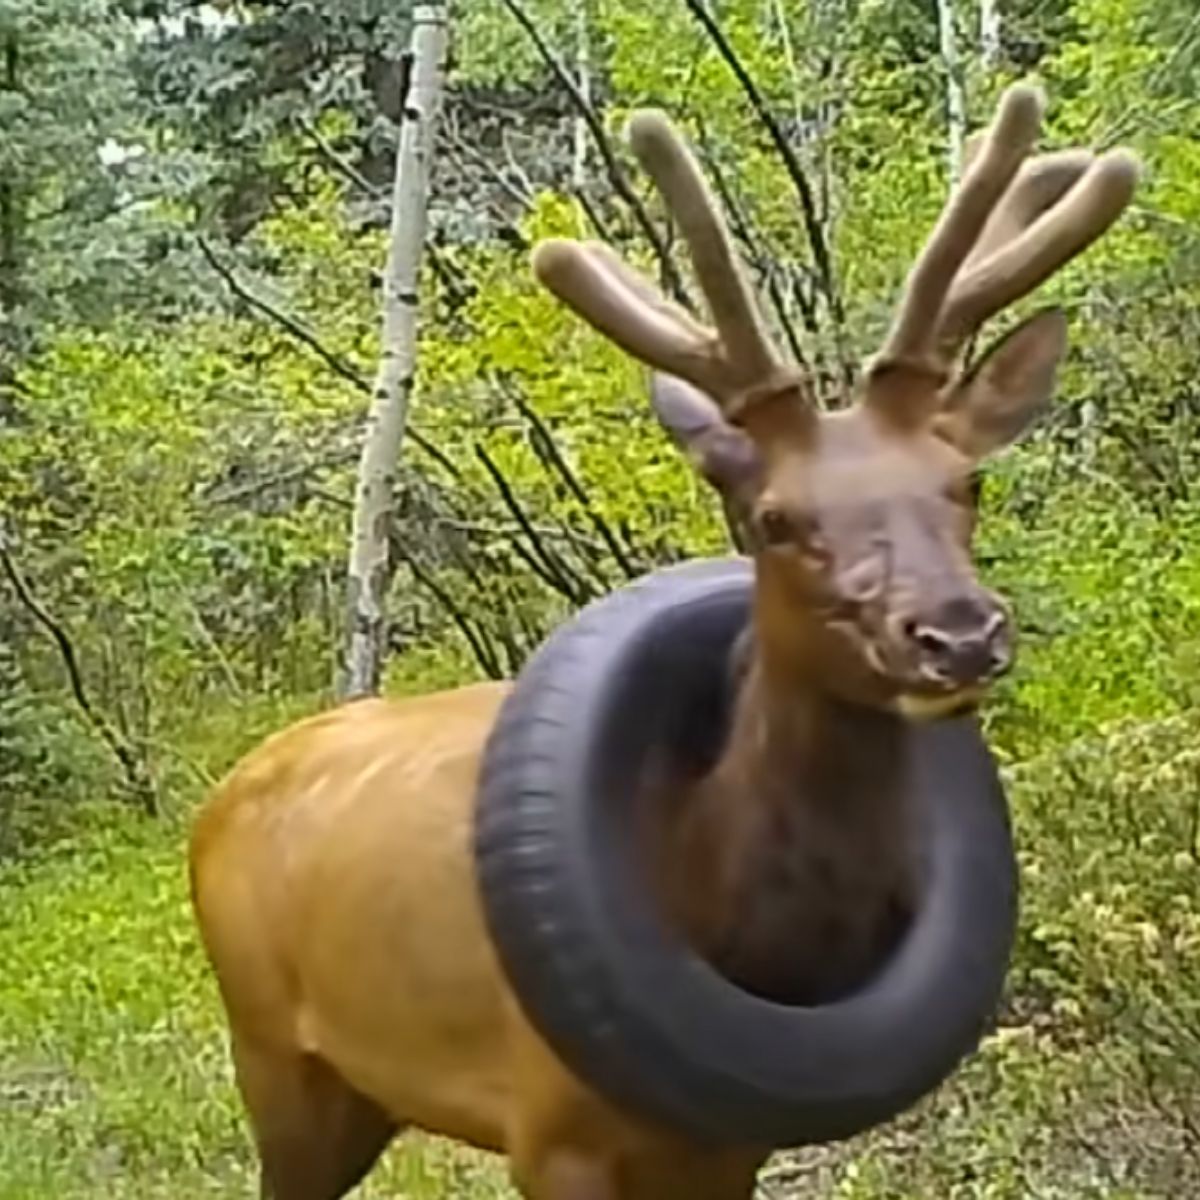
{"points": [[861, 520]]}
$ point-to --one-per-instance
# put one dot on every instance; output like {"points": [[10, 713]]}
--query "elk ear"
{"points": [[1013, 383], [723, 454]]}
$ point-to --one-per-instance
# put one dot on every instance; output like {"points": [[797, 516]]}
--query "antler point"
{"points": [[1019, 115], [1122, 167], [648, 129], [550, 255], [1027, 99]]}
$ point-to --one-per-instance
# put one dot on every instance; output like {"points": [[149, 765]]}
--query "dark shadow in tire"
{"points": [[627, 1005]]}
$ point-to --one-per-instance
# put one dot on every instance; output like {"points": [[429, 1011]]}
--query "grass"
{"points": [[113, 1070], [114, 1075]]}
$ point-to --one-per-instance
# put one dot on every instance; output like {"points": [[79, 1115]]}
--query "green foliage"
{"points": [[1112, 844], [1108, 596], [170, 586], [113, 1064], [176, 466], [82, 227], [47, 764]]}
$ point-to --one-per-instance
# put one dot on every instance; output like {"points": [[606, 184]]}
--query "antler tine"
{"points": [[1008, 141], [637, 283], [623, 307], [1042, 181], [729, 363], [745, 353], [1057, 236]]}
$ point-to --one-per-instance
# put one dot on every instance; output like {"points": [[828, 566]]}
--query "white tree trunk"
{"points": [[956, 102], [370, 567], [584, 79], [989, 33]]}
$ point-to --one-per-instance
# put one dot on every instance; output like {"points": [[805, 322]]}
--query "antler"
{"points": [[1011, 223], [734, 363], [1009, 226]]}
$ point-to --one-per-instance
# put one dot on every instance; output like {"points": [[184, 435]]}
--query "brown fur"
{"points": [[332, 879], [790, 867]]}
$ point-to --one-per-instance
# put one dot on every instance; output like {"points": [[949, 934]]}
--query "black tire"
{"points": [[625, 1003]]}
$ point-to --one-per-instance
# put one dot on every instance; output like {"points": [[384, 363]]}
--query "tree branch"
{"points": [[518, 194], [616, 175], [593, 215], [808, 205], [547, 566], [484, 655], [344, 167], [338, 365], [552, 456], [137, 778]]}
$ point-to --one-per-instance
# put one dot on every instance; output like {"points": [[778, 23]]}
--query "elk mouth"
{"points": [[939, 706], [919, 699]]}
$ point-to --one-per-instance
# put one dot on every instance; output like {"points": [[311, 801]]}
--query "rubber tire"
{"points": [[621, 998]]}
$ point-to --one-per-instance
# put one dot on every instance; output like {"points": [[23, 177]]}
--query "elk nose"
{"points": [[964, 643]]}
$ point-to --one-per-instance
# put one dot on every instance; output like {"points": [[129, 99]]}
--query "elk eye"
{"points": [[776, 526]]}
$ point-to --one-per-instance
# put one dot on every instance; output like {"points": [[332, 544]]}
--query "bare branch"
{"points": [[484, 654], [808, 205], [138, 780], [553, 455], [333, 361], [547, 565], [338, 365], [339, 163], [519, 194], [213, 493], [593, 215], [612, 167]]}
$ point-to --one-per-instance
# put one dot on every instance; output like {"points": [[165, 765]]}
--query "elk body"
{"points": [[332, 870]]}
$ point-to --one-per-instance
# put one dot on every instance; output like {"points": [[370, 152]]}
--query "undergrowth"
{"points": [[114, 1073]]}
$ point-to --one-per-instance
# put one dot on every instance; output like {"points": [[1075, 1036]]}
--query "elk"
{"points": [[331, 870]]}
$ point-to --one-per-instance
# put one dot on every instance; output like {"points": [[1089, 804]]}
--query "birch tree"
{"points": [[956, 101], [989, 33], [370, 567], [584, 79]]}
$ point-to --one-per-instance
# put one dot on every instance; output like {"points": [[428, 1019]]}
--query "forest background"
{"points": [[194, 204]]}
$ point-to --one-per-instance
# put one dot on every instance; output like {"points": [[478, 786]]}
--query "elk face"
{"points": [[860, 521], [862, 527]]}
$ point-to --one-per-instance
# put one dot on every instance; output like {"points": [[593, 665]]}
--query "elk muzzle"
{"points": [[951, 650], [965, 641]]}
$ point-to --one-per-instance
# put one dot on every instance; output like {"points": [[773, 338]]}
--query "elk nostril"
{"points": [[970, 653], [932, 642], [999, 646], [928, 640]]}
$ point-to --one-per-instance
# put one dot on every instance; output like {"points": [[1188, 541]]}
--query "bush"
{"points": [[48, 766]]}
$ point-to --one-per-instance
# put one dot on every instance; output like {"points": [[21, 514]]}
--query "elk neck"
{"points": [[789, 865]]}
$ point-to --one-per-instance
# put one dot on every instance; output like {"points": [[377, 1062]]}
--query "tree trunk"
{"points": [[584, 79], [370, 568], [989, 33], [956, 103], [10, 214]]}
